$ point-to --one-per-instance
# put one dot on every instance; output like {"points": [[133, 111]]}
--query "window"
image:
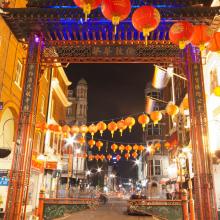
{"points": [[42, 107], [153, 129], [18, 73], [156, 167]]}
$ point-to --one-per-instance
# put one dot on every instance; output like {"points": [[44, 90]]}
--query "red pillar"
{"points": [[41, 205], [205, 204], [21, 163]]}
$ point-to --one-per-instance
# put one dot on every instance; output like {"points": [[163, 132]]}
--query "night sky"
{"points": [[114, 91]]}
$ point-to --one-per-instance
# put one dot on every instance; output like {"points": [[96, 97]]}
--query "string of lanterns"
{"points": [[147, 18]]}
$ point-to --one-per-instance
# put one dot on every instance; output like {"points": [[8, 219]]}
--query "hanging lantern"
{"points": [[134, 155], [121, 148], [91, 143], [101, 126], [152, 151], [143, 120], [87, 6], [167, 145], [102, 157], [91, 157], [57, 129], [116, 10], [109, 157], [97, 157], [130, 122], [202, 34], [92, 129], [83, 130], [141, 148], [114, 147], [128, 148], [135, 147], [65, 130], [118, 157], [172, 109], [51, 127], [38, 126], [186, 103], [85, 155], [127, 156], [214, 43], [44, 127], [112, 126], [146, 19], [81, 140], [99, 145], [181, 33], [157, 146], [121, 126], [156, 116], [74, 130]]}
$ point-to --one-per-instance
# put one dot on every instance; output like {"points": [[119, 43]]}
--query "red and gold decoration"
{"points": [[135, 147], [92, 129], [141, 148], [112, 127], [65, 130], [143, 120], [172, 109], [202, 34], [156, 116], [121, 148], [101, 126], [81, 140], [99, 145], [146, 19], [127, 156], [102, 157], [38, 126], [121, 126], [128, 148], [91, 143], [181, 33], [74, 130], [91, 157], [118, 157], [57, 129], [114, 147], [134, 155], [83, 130], [116, 10], [87, 5], [97, 157], [44, 127], [130, 122], [214, 43], [109, 157]]}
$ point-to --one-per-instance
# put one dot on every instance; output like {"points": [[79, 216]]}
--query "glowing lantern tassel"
{"points": [[146, 34], [115, 22], [87, 10]]}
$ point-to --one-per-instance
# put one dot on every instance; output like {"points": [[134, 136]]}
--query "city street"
{"points": [[115, 209]]}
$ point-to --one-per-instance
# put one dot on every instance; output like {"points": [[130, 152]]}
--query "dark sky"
{"points": [[114, 90]]}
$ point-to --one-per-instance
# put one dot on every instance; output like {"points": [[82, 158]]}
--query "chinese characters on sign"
{"points": [[197, 85]]}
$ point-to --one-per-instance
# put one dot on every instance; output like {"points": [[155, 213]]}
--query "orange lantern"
{"points": [[201, 35], [146, 19], [91, 157], [135, 147], [112, 126], [130, 122], [156, 116], [143, 120], [81, 140], [167, 145], [38, 126], [91, 143], [85, 155], [115, 10], [134, 155], [51, 127], [121, 148], [127, 156], [99, 145], [185, 103], [101, 126], [57, 128], [74, 129], [172, 109], [157, 146], [141, 148], [87, 6], [83, 130], [121, 126], [128, 148], [181, 33], [102, 157], [65, 130], [44, 127], [118, 157], [109, 157], [97, 157], [214, 43], [92, 129], [114, 147]]}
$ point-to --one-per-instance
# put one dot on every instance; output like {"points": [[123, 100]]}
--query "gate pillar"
{"points": [[21, 164], [205, 204]]}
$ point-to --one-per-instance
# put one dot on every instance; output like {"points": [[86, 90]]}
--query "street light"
{"points": [[99, 170]]}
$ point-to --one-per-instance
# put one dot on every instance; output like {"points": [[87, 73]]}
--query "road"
{"points": [[114, 210]]}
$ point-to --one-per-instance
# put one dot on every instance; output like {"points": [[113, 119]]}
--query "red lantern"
{"points": [[172, 109], [91, 157], [135, 147], [91, 143], [181, 33], [156, 116], [114, 147], [121, 126], [201, 35], [214, 44], [44, 126], [121, 148], [92, 129], [167, 145], [109, 157], [141, 148], [97, 157], [143, 120], [82, 140], [85, 155], [116, 10], [87, 5], [57, 128], [65, 130], [146, 19], [83, 130], [38, 126], [99, 145], [130, 122], [134, 155], [118, 157], [128, 148], [127, 156], [157, 146], [74, 129], [101, 126], [102, 157], [112, 126], [51, 127]]}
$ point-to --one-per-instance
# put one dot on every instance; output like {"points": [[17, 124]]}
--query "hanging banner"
{"points": [[149, 106], [161, 78]]}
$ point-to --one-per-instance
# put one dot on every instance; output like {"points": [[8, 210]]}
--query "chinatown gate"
{"points": [[56, 33]]}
